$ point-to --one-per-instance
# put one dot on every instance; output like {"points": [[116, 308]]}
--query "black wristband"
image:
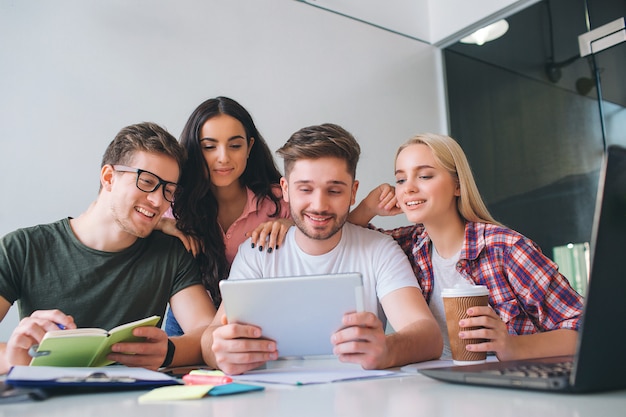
{"points": [[169, 356]]}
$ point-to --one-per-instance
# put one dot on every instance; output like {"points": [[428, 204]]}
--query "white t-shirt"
{"points": [[446, 276], [379, 259]]}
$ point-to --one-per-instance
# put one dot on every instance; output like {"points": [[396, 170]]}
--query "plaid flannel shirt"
{"points": [[525, 287]]}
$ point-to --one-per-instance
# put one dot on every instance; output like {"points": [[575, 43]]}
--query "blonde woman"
{"points": [[533, 311]]}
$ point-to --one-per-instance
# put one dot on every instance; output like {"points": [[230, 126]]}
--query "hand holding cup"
{"points": [[456, 301]]}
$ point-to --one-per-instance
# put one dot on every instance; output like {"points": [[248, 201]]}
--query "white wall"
{"points": [[73, 72]]}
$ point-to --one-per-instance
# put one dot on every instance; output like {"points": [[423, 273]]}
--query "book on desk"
{"points": [[84, 346]]}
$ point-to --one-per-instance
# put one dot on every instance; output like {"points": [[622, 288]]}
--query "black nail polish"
{"points": [[252, 245], [260, 248], [269, 250], [276, 247]]}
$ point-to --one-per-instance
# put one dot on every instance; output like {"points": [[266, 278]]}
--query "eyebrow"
{"points": [[416, 168], [332, 182], [229, 139]]}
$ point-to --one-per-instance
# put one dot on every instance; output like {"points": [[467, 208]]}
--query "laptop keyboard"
{"points": [[537, 370]]}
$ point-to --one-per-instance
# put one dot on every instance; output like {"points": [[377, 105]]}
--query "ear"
{"points": [[355, 187], [106, 177], [284, 185], [457, 190]]}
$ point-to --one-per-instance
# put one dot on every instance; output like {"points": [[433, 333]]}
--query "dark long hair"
{"points": [[195, 206]]}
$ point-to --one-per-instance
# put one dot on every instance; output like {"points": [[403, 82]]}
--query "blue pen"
{"points": [[60, 326]]}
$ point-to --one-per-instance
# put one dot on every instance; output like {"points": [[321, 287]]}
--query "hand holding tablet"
{"points": [[299, 313]]}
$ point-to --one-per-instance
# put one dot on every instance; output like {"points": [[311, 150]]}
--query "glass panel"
{"points": [[573, 261], [608, 85], [525, 109]]}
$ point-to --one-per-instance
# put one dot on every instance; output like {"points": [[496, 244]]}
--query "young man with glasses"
{"points": [[108, 266]]}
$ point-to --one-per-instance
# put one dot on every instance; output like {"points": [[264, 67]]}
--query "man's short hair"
{"points": [[320, 141], [147, 137]]}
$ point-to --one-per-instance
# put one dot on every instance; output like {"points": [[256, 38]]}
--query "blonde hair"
{"points": [[448, 153]]}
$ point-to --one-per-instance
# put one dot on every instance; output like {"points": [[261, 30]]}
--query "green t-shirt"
{"points": [[46, 267]]}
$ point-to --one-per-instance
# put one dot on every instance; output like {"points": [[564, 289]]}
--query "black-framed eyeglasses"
{"points": [[149, 182]]}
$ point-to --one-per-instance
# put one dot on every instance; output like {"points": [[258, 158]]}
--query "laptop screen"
{"points": [[600, 361]]}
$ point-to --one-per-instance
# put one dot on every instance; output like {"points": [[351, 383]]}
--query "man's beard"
{"points": [[311, 232]]}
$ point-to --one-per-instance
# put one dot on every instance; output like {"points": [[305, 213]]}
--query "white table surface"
{"points": [[409, 394]]}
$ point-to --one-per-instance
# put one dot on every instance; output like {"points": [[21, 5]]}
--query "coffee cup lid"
{"points": [[465, 291]]}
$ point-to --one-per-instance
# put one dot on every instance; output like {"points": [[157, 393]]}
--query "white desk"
{"points": [[408, 395]]}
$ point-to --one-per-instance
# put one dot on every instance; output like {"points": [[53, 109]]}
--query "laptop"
{"points": [[599, 363], [299, 312]]}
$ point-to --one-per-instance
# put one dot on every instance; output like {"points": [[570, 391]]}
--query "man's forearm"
{"points": [[188, 348], [206, 344], [417, 342]]}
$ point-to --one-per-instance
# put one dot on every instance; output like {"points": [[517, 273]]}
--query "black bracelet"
{"points": [[169, 356]]}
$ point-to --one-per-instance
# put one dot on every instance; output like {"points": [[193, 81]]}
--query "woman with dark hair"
{"points": [[228, 186]]}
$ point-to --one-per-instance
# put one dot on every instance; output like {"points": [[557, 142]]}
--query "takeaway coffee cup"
{"points": [[456, 301]]}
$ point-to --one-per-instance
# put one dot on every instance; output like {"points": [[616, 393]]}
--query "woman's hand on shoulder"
{"points": [[270, 235], [167, 225]]}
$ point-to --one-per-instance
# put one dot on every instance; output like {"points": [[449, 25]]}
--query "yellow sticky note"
{"points": [[175, 393]]}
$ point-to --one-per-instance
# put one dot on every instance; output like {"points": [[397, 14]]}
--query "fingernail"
{"points": [[269, 250], [252, 245], [260, 248], [276, 247]]}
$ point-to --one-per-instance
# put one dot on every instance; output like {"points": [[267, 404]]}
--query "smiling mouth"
{"points": [[318, 219], [414, 203], [145, 212]]}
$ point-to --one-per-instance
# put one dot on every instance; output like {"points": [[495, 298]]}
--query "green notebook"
{"points": [[84, 347]]}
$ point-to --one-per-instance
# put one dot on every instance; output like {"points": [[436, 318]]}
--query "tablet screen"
{"points": [[299, 313]]}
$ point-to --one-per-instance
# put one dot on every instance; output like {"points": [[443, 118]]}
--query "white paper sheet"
{"points": [[305, 375]]}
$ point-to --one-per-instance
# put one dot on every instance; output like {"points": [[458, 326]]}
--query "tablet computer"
{"points": [[300, 313]]}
